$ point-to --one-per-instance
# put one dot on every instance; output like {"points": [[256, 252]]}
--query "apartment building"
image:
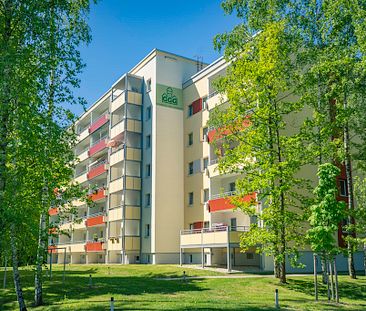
{"points": [[146, 154]]}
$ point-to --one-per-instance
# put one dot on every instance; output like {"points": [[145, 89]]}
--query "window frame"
{"points": [[148, 85], [190, 198]]}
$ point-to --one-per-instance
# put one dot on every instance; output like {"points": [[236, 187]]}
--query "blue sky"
{"points": [[124, 31]]}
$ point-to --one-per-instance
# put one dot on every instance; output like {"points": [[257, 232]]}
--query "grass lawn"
{"points": [[134, 287]]}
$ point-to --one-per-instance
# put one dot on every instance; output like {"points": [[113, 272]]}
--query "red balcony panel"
{"points": [[98, 123], [98, 147], [95, 221], [215, 134], [52, 249], [94, 246], [223, 204], [98, 195], [53, 211], [197, 106], [96, 171]]}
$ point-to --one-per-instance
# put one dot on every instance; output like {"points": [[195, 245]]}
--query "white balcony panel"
{"points": [[117, 157], [77, 203], [77, 247], [118, 102], [213, 170], [116, 185], [82, 178], [134, 98], [117, 129], [65, 226], [115, 244], [115, 214], [216, 100], [83, 156], [84, 134], [80, 225]]}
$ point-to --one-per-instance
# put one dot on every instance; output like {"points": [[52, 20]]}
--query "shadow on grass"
{"points": [[347, 289], [128, 290]]}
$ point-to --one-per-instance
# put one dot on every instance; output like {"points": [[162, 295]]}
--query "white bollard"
{"points": [[112, 304], [277, 305]]}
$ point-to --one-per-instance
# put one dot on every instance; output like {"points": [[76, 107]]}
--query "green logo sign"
{"points": [[169, 96]]}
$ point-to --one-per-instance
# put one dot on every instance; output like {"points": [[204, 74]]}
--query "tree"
{"points": [[329, 60], [38, 68], [260, 142], [325, 215], [359, 215]]}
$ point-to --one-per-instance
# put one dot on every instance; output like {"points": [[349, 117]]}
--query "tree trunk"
{"points": [[315, 279], [351, 265], [16, 275], [5, 270], [331, 279], [38, 299], [324, 271], [328, 279], [336, 280], [364, 257]]}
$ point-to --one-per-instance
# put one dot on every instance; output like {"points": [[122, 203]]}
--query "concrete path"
{"points": [[229, 276]]}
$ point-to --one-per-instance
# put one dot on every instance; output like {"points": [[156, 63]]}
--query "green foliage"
{"points": [[261, 141], [327, 213]]}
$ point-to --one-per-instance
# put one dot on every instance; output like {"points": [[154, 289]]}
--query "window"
{"points": [[204, 103], [190, 258], [250, 256], [190, 198], [190, 139], [147, 230], [148, 141], [206, 224], [343, 191], [232, 186], [148, 85], [148, 170], [204, 133], [191, 226], [148, 113], [190, 110], [205, 195], [205, 163], [148, 199], [190, 168], [233, 223]]}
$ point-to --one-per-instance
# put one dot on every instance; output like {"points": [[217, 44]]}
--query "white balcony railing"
{"points": [[222, 195]]}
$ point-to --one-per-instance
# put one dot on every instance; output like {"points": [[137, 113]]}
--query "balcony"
{"points": [[98, 146], [79, 223], [99, 123], [99, 194], [126, 125], [98, 169], [214, 99], [96, 219], [220, 236], [83, 155], [94, 246], [133, 154], [222, 202], [116, 185], [53, 211], [81, 177], [83, 134]]}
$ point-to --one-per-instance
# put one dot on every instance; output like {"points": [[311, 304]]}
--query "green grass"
{"points": [[134, 287]]}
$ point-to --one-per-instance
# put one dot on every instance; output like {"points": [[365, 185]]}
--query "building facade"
{"points": [[144, 152]]}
